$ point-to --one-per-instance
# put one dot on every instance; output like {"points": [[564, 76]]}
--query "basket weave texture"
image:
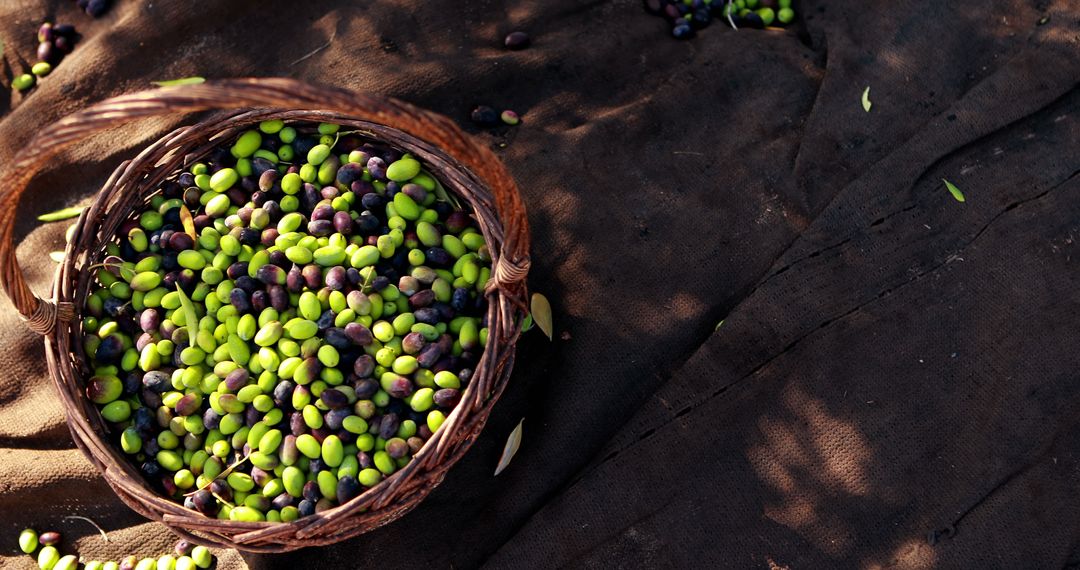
{"points": [[466, 168]]}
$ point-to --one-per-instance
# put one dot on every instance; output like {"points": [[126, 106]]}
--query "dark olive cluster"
{"points": [[285, 325], [686, 16], [54, 42]]}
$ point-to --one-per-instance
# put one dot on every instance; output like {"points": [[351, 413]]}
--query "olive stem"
{"points": [[224, 473], [337, 136], [222, 499], [367, 282], [104, 536], [316, 50]]}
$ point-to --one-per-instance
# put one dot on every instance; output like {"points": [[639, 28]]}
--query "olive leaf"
{"points": [[181, 81], [527, 323], [64, 214], [442, 194], [512, 444], [956, 193], [70, 232], [541, 313], [189, 223], [191, 318], [866, 100], [718, 325], [57, 256]]}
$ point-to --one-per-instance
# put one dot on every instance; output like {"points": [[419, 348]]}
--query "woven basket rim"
{"points": [[132, 182]]}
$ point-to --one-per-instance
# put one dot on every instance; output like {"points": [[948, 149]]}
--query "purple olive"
{"points": [[322, 212], [180, 241], [363, 367], [359, 335], [416, 192], [343, 223], [517, 40], [397, 447], [205, 502], [334, 399], [336, 278], [188, 405], [349, 173], [485, 116], [428, 355], [271, 275], [47, 51], [335, 418], [294, 281], [377, 168], [401, 387], [447, 397], [388, 425], [313, 276], [422, 299], [259, 301], [413, 343], [457, 221], [348, 488], [438, 257], [237, 270], [236, 379]]}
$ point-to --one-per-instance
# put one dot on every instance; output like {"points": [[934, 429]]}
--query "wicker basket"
{"points": [[465, 167]]}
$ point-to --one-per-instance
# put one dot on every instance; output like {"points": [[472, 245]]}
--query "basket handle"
{"points": [[42, 315]]}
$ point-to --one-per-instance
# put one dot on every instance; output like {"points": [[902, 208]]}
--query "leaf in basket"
{"points": [[70, 233], [866, 104], [57, 256], [512, 444], [189, 222], [181, 81], [956, 193], [64, 214], [527, 323], [191, 318], [541, 314], [442, 194]]}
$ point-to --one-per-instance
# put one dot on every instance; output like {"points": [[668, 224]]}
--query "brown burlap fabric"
{"points": [[894, 383]]}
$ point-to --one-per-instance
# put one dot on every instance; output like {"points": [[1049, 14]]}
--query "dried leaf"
{"points": [[866, 100], [181, 81], [1, 48], [191, 318], [541, 313], [512, 444], [527, 323], [64, 214], [188, 221], [57, 256], [956, 193]]}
